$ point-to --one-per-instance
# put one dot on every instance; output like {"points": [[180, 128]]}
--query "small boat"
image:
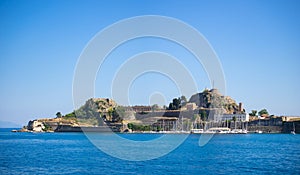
{"points": [[197, 131], [244, 131], [258, 132], [220, 130], [238, 131]]}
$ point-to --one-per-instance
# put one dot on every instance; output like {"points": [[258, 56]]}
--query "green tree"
{"points": [[116, 114], [58, 115], [183, 100], [203, 115], [154, 107], [176, 103], [70, 115], [196, 117], [253, 113], [262, 112], [110, 112], [234, 119], [171, 107], [130, 125], [47, 127]]}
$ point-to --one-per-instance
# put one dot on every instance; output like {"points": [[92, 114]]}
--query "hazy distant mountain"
{"points": [[6, 124]]}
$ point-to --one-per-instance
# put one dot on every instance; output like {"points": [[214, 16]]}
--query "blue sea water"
{"points": [[73, 153]]}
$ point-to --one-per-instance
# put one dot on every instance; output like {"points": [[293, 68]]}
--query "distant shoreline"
{"points": [[137, 132]]}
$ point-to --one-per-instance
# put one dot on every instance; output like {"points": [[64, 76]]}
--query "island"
{"points": [[205, 112]]}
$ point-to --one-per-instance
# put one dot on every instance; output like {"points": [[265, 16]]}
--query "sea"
{"points": [[74, 153]]}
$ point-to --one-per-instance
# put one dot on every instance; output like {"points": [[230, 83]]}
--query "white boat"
{"points": [[238, 131], [244, 131], [174, 132], [258, 131], [219, 130], [197, 131]]}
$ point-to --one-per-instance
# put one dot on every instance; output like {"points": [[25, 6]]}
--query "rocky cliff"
{"points": [[96, 111], [213, 99]]}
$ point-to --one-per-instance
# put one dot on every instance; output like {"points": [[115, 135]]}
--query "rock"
{"points": [[213, 99]]}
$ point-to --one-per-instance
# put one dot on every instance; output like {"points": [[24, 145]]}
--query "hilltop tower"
{"points": [[240, 107]]}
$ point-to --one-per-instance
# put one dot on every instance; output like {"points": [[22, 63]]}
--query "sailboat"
{"points": [[294, 129]]}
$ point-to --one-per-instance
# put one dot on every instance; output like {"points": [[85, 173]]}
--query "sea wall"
{"points": [[265, 129], [69, 128], [270, 125], [289, 126]]}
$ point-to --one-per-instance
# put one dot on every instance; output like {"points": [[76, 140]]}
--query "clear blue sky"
{"points": [[258, 44]]}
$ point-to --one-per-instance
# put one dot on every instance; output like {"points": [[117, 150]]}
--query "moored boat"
{"points": [[197, 131]]}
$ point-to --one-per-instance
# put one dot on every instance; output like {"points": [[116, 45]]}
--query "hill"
{"points": [[213, 99]]}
